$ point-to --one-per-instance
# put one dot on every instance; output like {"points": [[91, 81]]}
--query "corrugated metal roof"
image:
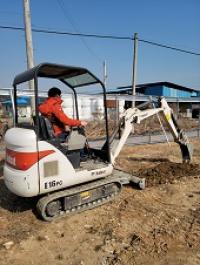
{"points": [[163, 83]]}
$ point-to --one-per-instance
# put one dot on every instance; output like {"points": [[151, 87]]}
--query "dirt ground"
{"points": [[159, 225]]}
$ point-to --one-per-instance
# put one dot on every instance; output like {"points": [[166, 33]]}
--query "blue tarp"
{"points": [[20, 101]]}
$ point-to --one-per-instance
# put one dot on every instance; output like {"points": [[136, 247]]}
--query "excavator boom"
{"points": [[135, 115]]}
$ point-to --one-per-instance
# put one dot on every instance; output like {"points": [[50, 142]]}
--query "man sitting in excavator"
{"points": [[52, 109]]}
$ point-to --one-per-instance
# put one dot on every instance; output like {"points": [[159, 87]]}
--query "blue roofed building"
{"points": [[183, 99], [166, 89]]}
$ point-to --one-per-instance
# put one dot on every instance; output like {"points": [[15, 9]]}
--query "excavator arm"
{"points": [[136, 115], [179, 135]]}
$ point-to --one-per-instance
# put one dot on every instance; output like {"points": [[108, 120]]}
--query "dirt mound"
{"points": [[168, 172]]}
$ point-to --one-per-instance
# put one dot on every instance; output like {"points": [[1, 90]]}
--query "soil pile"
{"points": [[168, 172]]}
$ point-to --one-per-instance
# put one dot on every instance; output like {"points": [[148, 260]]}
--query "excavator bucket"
{"points": [[187, 152]]}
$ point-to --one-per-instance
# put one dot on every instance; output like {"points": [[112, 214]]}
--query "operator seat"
{"points": [[45, 128], [75, 141], [71, 148]]}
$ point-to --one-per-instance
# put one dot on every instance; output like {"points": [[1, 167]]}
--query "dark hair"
{"points": [[54, 91]]}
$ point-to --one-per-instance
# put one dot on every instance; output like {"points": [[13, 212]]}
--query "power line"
{"points": [[101, 37], [70, 20], [69, 33], [168, 47]]}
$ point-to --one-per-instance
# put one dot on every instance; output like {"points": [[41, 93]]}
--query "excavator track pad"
{"points": [[80, 198]]}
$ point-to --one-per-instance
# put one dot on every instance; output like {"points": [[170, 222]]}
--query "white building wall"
{"points": [[68, 105], [90, 107]]}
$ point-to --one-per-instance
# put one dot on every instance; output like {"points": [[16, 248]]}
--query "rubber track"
{"points": [[43, 202]]}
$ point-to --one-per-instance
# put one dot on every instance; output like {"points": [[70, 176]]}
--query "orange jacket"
{"points": [[51, 108]]}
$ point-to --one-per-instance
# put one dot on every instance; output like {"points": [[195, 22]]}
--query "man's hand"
{"points": [[83, 123], [67, 128]]}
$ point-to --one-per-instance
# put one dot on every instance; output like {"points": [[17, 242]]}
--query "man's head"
{"points": [[54, 91]]}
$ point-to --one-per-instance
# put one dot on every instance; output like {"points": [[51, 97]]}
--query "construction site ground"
{"points": [[159, 225]]}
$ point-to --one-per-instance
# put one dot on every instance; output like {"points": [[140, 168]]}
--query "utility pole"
{"points": [[135, 54], [104, 73], [29, 46]]}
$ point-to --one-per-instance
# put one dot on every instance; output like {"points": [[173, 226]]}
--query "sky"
{"points": [[173, 22]]}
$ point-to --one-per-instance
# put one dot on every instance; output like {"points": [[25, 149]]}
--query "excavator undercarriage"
{"points": [[84, 197]]}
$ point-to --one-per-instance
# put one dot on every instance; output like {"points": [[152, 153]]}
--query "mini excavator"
{"points": [[38, 164]]}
